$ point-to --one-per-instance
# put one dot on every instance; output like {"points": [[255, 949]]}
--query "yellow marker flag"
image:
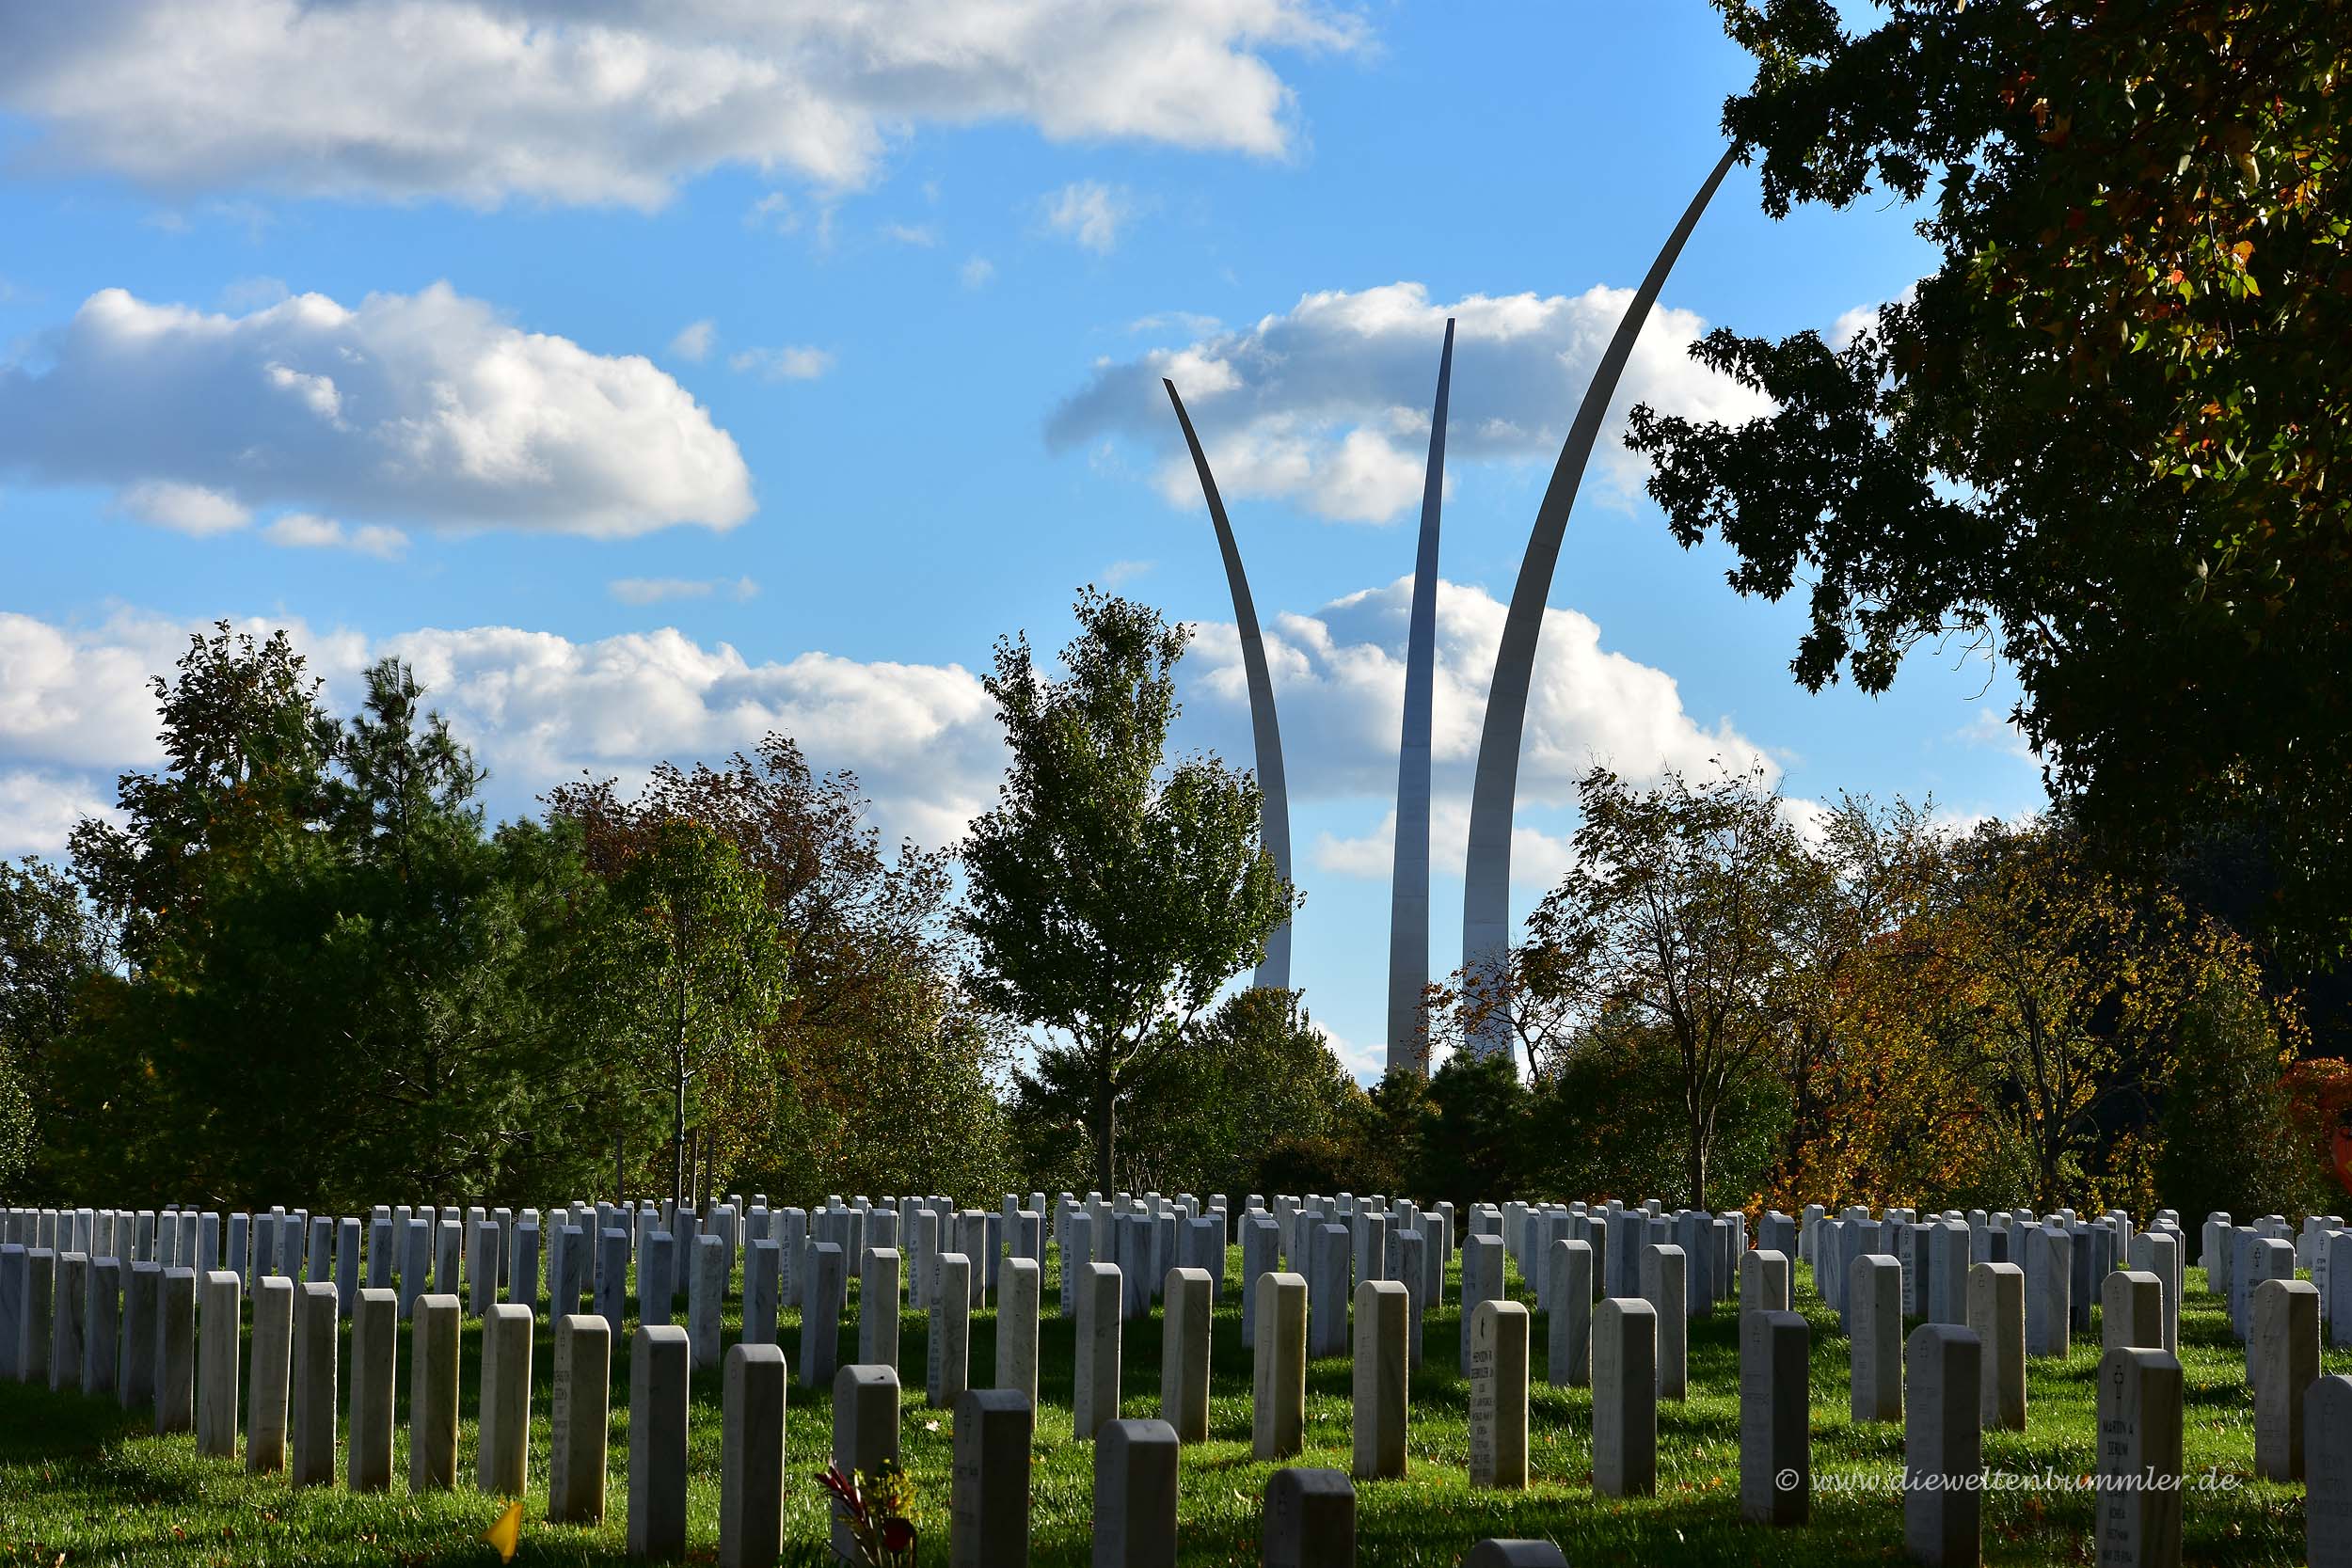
{"points": [[508, 1533]]}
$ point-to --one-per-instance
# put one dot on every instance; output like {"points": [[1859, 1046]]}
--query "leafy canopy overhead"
{"points": [[2107, 437]]}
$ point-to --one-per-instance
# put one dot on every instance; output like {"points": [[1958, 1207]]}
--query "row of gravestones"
{"points": [[291, 1407], [1631, 1340]]}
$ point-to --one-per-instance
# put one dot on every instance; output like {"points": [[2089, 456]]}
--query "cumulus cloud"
{"points": [[1852, 323], [661, 590], [307, 530], [189, 509], [538, 710], [39, 810], [791, 362], [406, 408], [1338, 682], [1538, 859], [76, 697], [1327, 404], [977, 272], [693, 341], [1089, 212], [1994, 730], [1364, 1063], [483, 101]]}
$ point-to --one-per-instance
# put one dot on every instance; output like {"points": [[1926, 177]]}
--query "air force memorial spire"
{"points": [[1487, 870], [1274, 811]]}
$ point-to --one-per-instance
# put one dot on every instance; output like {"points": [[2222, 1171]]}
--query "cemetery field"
{"points": [[83, 1481]]}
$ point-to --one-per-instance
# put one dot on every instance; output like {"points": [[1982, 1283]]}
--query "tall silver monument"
{"points": [[1487, 874], [1408, 895], [1274, 827]]}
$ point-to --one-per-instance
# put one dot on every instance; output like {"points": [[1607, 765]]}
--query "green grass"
{"points": [[82, 1481]]}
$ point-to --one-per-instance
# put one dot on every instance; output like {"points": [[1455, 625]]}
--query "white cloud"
{"points": [[693, 341], [1996, 731], [773, 213], [77, 697], [1089, 212], [38, 810], [1852, 323], [791, 362], [310, 531], [643, 590], [424, 408], [921, 235], [253, 293], [1327, 404], [1179, 321], [977, 272], [1339, 685], [538, 710], [1810, 818], [1538, 859], [1364, 1063], [1121, 572], [189, 509], [483, 101]]}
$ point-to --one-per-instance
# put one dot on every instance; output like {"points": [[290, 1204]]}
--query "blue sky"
{"points": [[656, 381]]}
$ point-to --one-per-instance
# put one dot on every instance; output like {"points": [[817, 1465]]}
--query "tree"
{"points": [[332, 977], [875, 1068], [2107, 437], [49, 948], [1677, 921], [701, 945], [2077, 986], [246, 752], [1254, 1077], [1110, 895]]}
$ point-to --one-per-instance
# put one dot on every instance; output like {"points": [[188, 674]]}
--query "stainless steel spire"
{"points": [[1274, 828], [1408, 895], [1486, 872]]}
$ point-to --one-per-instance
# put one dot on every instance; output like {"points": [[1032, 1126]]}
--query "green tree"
{"points": [[1680, 924], [334, 979], [1476, 1138], [49, 948], [1251, 1076], [701, 946], [2107, 435], [246, 752], [876, 1071], [1110, 895], [2229, 1137]]}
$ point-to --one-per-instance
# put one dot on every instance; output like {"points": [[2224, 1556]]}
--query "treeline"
{"points": [[304, 968], [1727, 1001]]}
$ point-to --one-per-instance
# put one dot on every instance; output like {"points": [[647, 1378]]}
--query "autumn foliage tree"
{"points": [[1679, 917], [2109, 434]]}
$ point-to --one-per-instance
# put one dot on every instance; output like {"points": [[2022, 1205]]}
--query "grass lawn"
{"points": [[83, 1481]]}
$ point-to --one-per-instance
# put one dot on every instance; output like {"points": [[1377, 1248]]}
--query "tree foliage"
{"points": [[871, 1069], [2109, 435], [1678, 921], [1111, 894]]}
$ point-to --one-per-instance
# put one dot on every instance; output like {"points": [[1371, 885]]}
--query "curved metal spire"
{"points": [[1274, 824], [1486, 872], [1409, 893]]}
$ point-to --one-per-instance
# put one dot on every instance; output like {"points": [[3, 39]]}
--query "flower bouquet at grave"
{"points": [[874, 1508]]}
